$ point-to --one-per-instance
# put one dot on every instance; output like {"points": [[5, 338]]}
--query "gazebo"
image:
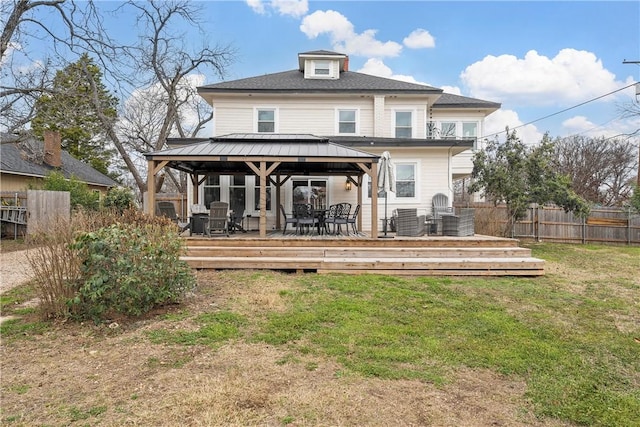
{"points": [[273, 158]]}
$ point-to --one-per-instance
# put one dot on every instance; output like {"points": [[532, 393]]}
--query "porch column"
{"points": [[151, 188], [263, 199], [360, 190]]}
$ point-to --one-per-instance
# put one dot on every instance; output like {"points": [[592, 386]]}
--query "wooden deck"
{"points": [[357, 254]]}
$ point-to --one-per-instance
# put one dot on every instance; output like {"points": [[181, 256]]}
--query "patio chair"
{"points": [[168, 209], [351, 219], [305, 218], [409, 223], [237, 216], [218, 218], [342, 217], [330, 218], [460, 224], [440, 206], [288, 219]]}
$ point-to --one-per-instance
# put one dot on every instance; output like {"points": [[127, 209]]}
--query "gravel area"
{"points": [[14, 269]]}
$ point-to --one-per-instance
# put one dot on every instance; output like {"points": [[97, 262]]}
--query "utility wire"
{"points": [[563, 111]]}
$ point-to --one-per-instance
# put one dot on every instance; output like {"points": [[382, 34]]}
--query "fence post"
{"points": [[584, 230], [628, 225]]}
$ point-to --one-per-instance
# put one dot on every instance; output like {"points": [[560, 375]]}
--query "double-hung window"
{"points": [[211, 190], [448, 130], [322, 68], [347, 122], [403, 124], [469, 129], [405, 180], [266, 120]]}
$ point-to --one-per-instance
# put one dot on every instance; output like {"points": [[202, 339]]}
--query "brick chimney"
{"points": [[346, 64], [52, 148]]}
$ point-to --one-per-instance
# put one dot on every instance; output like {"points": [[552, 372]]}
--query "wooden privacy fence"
{"points": [[553, 224], [33, 210]]}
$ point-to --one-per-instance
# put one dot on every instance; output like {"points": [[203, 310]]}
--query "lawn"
{"points": [[265, 348]]}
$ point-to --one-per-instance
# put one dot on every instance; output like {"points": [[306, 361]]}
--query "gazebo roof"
{"points": [[298, 154]]}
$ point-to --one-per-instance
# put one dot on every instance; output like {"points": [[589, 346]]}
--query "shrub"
{"points": [[80, 193], [119, 199], [97, 264], [130, 269]]}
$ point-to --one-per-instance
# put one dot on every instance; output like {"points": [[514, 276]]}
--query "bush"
{"points": [[80, 193], [100, 264], [119, 199]]}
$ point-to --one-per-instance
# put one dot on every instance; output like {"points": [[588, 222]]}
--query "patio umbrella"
{"points": [[386, 182]]}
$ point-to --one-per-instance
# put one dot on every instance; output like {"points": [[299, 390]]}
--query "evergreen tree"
{"points": [[517, 175], [69, 110]]}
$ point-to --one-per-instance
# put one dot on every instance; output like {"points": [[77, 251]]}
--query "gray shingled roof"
{"points": [[448, 100], [294, 81], [15, 158]]}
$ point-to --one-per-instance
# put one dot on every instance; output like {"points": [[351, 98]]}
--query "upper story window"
{"points": [[321, 68], [403, 124], [448, 130], [266, 120], [469, 129], [347, 121]]}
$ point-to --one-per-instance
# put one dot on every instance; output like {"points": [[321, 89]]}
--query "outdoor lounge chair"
{"points": [[460, 224], [440, 206], [288, 219], [168, 209], [218, 218], [409, 223]]}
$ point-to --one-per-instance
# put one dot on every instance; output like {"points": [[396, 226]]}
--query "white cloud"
{"points": [[419, 39], [295, 8], [454, 90], [583, 126], [375, 67], [343, 36], [569, 77], [257, 6], [496, 123]]}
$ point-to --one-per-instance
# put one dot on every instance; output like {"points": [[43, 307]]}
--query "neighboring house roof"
{"points": [[298, 154], [20, 157], [448, 100], [294, 81]]}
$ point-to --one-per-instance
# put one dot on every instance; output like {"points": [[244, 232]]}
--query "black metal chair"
{"points": [[305, 218], [288, 219], [351, 219], [342, 217]]}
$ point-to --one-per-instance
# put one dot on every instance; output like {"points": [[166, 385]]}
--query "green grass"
{"points": [[13, 329], [578, 365], [213, 329]]}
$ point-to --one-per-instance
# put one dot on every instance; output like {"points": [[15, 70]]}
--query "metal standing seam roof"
{"points": [[279, 146], [297, 154]]}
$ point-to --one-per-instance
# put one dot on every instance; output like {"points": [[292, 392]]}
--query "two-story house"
{"points": [[350, 116]]}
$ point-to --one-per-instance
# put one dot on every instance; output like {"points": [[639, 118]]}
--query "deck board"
{"points": [[359, 254]]}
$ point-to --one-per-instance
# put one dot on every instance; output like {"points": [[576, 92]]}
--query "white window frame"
{"points": [[357, 121], [393, 197], [455, 129], [413, 121], [468, 122], [319, 64], [256, 114]]}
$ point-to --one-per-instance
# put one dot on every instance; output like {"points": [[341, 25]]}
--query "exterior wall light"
{"points": [[347, 185]]}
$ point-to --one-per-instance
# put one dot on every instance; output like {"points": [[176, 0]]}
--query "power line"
{"points": [[565, 110]]}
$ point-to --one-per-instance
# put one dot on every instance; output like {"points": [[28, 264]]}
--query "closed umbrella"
{"points": [[386, 182]]}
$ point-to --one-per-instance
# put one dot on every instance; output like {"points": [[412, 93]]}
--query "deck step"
{"points": [[359, 252], [413, 265]]}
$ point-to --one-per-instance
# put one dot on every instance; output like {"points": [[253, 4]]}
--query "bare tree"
{"points": [[601, 170]]}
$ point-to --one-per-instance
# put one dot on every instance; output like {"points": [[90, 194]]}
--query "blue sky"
{"points": [[536, 58]]}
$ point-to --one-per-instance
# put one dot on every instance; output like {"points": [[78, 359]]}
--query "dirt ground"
{"points": [[114, 376]]}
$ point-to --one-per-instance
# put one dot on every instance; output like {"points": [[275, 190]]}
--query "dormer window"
{"points": [[322, 68]]}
